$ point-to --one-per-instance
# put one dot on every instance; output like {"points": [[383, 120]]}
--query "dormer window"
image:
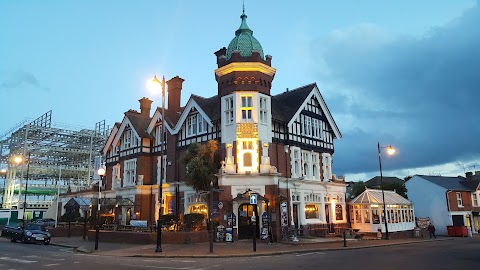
{"points": [[196, 125], [247, 107], [127, 139]]}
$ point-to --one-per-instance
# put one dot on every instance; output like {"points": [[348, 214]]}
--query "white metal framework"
{"points": [[61, 157]]}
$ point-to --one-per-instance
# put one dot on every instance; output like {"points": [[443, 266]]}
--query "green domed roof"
{"points": [[244, 41]]}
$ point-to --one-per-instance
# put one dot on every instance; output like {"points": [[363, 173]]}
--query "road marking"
{"points": [[8, 259], [52, 264], [162, 267], [184, 261], [309, 253], [47, 258]]}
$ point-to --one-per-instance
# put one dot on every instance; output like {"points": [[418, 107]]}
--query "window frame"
{"points": [[263, 109], [459, 199], [229, 116], [246, 108]]}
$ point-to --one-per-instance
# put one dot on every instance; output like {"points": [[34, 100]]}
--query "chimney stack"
{"points": [[469, 175], [145, 106], [174, 96]]}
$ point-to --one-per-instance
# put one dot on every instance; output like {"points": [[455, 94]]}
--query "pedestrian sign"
{"points": [[253, 198]]}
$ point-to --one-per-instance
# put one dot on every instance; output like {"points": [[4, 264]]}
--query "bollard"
{"points": [[345, 238]]}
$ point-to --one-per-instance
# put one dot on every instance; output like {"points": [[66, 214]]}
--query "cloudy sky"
{"points": [[403, 73]]}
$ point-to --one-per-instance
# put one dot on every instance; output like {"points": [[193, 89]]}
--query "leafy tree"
{"points": [[193, 221], [360, 186], [357, 189], [202, 162], [397, 187]]}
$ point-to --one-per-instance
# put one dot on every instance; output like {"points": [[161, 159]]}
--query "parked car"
{"points": [[31, 233], [47, 222]]}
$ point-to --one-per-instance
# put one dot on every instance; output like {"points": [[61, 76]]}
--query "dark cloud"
{"points": [[13, 80], [420, 94]]}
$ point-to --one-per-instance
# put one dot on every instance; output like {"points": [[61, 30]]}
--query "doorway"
{"points": [[328, 218], [295, 216], [457, 220], [245, 213]]}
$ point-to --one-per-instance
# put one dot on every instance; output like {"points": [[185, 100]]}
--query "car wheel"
{"points": [[46, 242], [13, 240], [23, 241]]}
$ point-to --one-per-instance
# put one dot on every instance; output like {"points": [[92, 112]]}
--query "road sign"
{"points": [[253, 198]]}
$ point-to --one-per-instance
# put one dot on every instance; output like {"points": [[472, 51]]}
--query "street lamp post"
{"points": [[3, 172], [157, 82], [390, 151], [19, 160], [101, 172]]}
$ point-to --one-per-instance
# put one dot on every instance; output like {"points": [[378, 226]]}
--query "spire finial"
{"points": [[243, 7]]}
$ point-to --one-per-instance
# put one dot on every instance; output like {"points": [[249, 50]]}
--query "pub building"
{"points": [[278, 146]]}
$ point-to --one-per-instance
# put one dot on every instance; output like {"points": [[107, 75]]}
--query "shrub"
{"points": [[193, 221]]}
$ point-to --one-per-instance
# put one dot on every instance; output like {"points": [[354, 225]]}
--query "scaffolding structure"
{"points": [[55, 158]]}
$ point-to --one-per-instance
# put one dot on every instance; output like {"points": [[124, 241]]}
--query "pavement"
{"points": [[242, 248]]}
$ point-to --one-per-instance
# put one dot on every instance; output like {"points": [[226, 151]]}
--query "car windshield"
{"points": [[34, 227]]}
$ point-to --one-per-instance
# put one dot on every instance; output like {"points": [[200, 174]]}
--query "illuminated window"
{"points": [[339, 212], [311, 211], [199, 209], [247, 107], [247, 145], [247, 160]]}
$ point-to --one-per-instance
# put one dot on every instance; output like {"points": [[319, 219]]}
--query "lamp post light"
{"points": [[390, 151], [101, 172], [156, 82], [18, 160], [3, 172]]}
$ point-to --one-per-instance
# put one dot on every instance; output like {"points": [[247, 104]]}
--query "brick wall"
{"points": [[150, 237]]}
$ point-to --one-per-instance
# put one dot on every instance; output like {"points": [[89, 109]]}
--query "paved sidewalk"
{"points": [[243, 248]]}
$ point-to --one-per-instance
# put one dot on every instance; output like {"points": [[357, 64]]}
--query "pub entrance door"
{"points": [[245, 213]]}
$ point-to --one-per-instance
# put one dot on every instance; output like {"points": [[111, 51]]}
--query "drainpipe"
{"points": [[448, 203]]}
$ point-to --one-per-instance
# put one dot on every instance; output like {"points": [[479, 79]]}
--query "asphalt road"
{"points": [[460, 253]]}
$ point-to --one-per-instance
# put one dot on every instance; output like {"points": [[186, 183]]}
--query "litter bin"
{"points": [[451, 231]]}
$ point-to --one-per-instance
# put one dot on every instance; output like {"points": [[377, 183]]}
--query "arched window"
{"points": [[247, 159]]}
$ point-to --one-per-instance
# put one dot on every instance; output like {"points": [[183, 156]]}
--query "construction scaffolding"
{"points": [[55, 157]]}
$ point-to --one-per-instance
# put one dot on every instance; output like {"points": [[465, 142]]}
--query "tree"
{"points": [[202, 162], [397, 187], [357, 189], [360, 186]]}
